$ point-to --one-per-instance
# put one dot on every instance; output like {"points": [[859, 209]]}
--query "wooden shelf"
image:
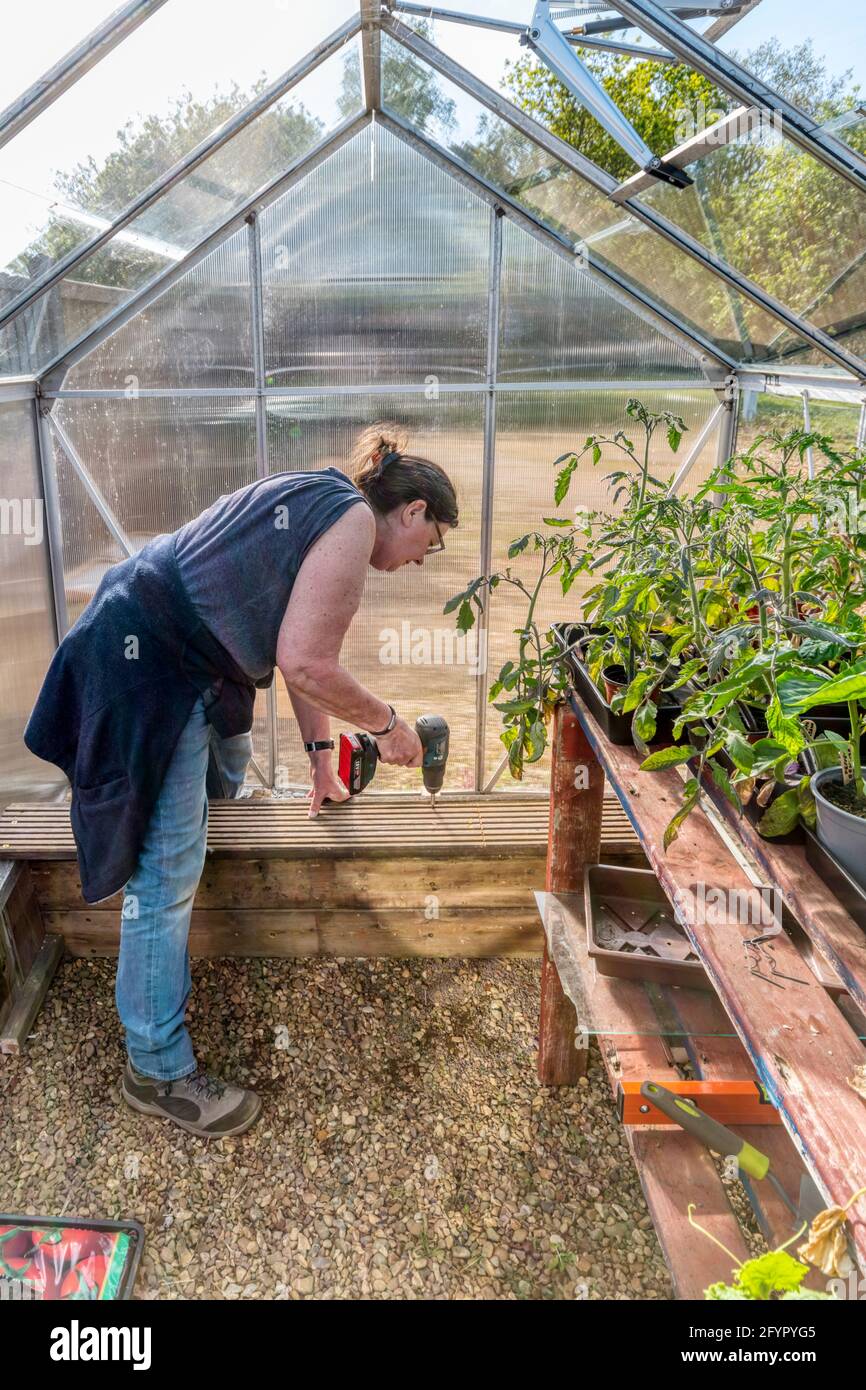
{"points": [[674, 1168], [802, 1048]]}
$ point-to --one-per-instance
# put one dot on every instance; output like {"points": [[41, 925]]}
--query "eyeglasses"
{"points": [[440, 546]]}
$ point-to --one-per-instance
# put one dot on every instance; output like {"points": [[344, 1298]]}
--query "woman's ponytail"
{"points": [[389, 477]]}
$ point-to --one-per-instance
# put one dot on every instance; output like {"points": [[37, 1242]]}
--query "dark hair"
{"points": [[390, 478]]}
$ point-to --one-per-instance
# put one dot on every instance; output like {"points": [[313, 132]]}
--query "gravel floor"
{"points": [[405, 1149]]}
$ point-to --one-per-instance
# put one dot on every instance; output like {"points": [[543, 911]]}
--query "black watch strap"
{"points": [[318, 745]]}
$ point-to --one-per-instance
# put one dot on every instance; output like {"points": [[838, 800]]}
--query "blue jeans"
{"points": [[153, 976]]}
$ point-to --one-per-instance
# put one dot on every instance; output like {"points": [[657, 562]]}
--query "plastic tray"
{"points": [[631, 930]]}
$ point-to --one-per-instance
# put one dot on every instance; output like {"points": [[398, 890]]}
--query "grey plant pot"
{"points": [[841, 833]]}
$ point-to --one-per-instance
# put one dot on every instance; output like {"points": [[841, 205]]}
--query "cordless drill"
{"points": [[359, 754]]}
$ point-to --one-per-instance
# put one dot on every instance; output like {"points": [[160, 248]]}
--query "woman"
{"points": [[148, 703]]}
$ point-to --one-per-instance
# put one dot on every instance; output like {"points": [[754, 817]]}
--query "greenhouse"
{"points": [[593, 277]]}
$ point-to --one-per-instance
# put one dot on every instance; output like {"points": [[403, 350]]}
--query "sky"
{"points": [[200, 44]]}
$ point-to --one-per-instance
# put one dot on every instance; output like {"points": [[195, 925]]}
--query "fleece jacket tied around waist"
{"points": [[118, 692]]}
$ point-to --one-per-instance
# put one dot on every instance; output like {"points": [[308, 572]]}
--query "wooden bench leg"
{"points": [[576, 794]]}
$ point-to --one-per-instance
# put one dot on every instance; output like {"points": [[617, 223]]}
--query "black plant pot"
{"points": [[617, 727]]}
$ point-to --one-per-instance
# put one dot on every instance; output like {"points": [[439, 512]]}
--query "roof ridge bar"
{"points": [[371, 51], [732, 77], [655, 315], [73, 65], [52, 375], [183, 167], [607, 184]]}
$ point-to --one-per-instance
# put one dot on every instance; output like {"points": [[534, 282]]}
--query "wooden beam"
{"points": [[574, 840], [832, 931], [28, 999]]}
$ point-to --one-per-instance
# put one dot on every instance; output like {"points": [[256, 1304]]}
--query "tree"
{"points": [[770, 209], [410, 89], [186, 213]]}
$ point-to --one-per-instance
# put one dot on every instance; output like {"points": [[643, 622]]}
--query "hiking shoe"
{"points": [[200, 1103]]}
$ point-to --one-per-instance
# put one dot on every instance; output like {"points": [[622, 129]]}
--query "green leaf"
{"points": [[850, 684], [797, 685], [644, 721], [667, 757], [723, 782], [466, 617], [781, 816], [516, 706], [535, 741], [636, 691], [740, 751], [775, 1272], [556, 521], [785, 729], [691, 793]]}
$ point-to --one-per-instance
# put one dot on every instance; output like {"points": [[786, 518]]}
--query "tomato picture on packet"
{"points": [[52, 1260]]}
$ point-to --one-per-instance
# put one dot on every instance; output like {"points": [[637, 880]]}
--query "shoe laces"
{"points": [[204, 1085]]}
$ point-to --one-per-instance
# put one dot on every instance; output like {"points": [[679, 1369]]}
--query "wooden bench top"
{"points": [[500, 826], [802, 1048]]}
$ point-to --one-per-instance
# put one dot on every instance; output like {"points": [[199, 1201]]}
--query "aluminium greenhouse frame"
{"points": [[723, 375]]}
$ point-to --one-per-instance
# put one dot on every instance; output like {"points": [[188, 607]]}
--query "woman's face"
{"points": [[404, 536]]}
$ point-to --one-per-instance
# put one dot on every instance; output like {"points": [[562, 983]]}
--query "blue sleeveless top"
{"points": [[195, 612], [239, 559]]}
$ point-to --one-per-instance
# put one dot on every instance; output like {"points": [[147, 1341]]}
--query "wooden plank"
{"points": [[801, 1046], [574, 840], [395, 932], [269, 883], [23, 918], [283, 829], [832, 931], [668, 1173], [674, 1169], [28, 1000]]}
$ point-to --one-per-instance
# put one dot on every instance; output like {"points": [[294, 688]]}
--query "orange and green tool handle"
{"points": [[683, 1111]]}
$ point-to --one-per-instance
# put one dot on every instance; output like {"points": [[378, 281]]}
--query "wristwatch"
{"points": [[318, 745], [380, 733]]}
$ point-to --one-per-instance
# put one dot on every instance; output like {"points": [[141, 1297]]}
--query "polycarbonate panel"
{"points": [[180, 219], [29, 49], [557, 323], [533, 428], [401, 645], [26, 604], [197, 334], [763, 412], [157, 462], [375, 269], [126, 122], [565, 202], [781, 217]]}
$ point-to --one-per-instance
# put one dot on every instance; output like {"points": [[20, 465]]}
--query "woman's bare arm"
{"points": [[324, 600]]}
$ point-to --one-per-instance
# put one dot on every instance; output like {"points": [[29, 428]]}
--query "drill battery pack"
{"points": [[357, 761]]}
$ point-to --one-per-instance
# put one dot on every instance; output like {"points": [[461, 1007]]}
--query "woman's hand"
{"points": [[402, 746], [326, 783]]}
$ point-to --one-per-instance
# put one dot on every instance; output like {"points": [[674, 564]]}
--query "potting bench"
{"points": [[377, 876], [784, 1028]]}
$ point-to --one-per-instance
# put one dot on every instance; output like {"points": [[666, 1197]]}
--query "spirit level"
{"points": [[729, 1102]]}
